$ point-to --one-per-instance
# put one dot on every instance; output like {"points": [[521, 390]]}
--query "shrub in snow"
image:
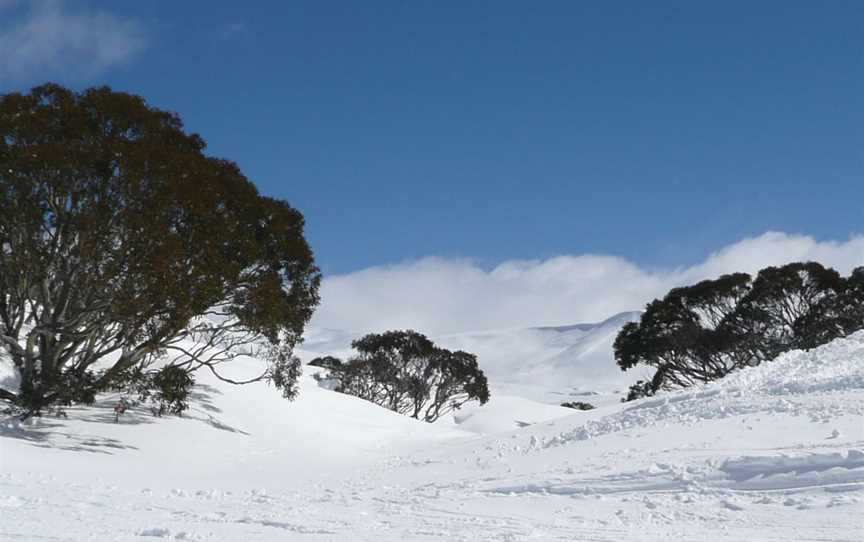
{"points": [[119, 236], [642, 388], [405, 372], [172, 387], [578, 405], [700, 333]]}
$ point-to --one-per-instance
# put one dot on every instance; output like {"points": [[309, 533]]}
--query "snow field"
{"points": [[774, 452]]}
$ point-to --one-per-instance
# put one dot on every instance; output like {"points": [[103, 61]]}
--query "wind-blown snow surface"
{"points": [[774, 452]]}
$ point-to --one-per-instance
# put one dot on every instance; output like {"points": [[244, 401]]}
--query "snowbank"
{"points": [[774, 452]]}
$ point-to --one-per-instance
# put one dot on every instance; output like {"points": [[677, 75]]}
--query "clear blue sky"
{"points": [[657, 131]]}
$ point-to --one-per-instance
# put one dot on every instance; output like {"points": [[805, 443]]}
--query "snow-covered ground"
{"points": [[531, 371], [771, 453], [562, 362]]}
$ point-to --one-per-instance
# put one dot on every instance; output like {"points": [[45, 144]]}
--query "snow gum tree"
{"points": [[769, 320], [834, 316], [122, 243], [405, 372], [702, 332]]}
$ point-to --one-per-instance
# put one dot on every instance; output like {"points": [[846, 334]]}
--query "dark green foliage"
{"points": [[452, 379], [642, 388], [645, 388], [172, 386], [834, 316], [700, 333], [578, 405], [284, 371], [167, 388], [684, 334], [136, 381], [118, 235], [405, 372], [77, 387], [771, 318]]}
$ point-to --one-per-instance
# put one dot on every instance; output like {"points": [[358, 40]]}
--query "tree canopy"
{"points": [[121, 240], [699, 333], [405, 372]]}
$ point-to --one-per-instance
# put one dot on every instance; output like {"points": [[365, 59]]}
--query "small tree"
{"points": [[405, 372], [119, 236]]}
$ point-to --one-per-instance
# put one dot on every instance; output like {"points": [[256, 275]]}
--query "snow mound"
{"points": [[836, 366], [228, 429], [505, 413], [771, 387], [774, 452]]}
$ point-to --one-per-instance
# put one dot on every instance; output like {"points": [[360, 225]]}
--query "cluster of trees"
{"points": [[405, 372], [121, 239], [699, 333]]}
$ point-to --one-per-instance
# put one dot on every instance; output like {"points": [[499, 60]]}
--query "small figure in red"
{"points": [[121, 407]]}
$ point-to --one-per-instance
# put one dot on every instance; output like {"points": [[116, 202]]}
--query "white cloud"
{"points": [[45, 40], [437, 296]]}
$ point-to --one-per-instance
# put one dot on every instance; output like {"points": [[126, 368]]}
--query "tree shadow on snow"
{"points": [[103, 412], [202, 396], [222, 426], [50, 434], [201, 401], [49, 431]]}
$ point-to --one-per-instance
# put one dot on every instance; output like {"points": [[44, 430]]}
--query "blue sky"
{"points": [[657, 132]]}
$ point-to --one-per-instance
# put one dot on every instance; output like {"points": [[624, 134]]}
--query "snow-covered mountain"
{"points": [[774, 452], [577, 357]]}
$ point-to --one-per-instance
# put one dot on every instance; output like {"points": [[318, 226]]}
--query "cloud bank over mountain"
{"points": [[436, 295]]}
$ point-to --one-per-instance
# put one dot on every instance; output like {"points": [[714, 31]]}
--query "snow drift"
{"points": [[774, 452]]}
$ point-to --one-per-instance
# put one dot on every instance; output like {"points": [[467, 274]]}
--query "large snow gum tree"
{"points": [[122, 243]]}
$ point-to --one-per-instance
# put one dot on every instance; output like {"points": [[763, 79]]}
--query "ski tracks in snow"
{"points": [[773, 453]]}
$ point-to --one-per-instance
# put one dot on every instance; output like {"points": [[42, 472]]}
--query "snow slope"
{"points": [[531, 371], [570, 360], [575, 359], [775, 452], [236, 429]]}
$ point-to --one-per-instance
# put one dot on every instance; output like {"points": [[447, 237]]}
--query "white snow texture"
{"points": [[774, 452]]}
